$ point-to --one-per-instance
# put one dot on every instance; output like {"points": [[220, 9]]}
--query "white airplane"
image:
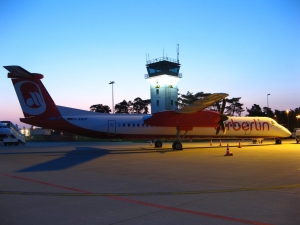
{"points": [[40, 110]]}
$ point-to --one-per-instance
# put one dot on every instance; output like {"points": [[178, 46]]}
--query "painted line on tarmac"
{"points": [[44, 183], [86, 193], [187, 211], [118, 197]]}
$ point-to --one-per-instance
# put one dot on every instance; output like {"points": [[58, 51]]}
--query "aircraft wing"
{"points": [[202, 103]]}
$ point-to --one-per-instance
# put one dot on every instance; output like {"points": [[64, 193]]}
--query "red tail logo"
{"points": [[30, 97]]}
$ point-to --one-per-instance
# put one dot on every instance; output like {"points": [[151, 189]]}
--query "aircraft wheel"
{"points": [[158, 144], [278, 142], [177, 146]]}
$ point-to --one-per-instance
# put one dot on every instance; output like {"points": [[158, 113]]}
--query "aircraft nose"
{"points": [[286, 132]]}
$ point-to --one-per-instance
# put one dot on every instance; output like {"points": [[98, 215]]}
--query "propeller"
{"points": [[223, 117]]}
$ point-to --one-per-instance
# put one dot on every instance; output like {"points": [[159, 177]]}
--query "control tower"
{"points": [[163, 75]]}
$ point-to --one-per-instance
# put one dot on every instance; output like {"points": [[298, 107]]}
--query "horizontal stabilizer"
{"points": [[203, 103], [18, 70]]}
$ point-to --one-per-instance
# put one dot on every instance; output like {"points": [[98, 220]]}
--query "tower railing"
{"points": [[162, 59]]}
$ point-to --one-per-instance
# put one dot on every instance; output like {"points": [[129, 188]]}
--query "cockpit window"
{"points": [[273, 122]]}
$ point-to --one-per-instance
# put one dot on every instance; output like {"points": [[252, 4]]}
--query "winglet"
{"points": [[203, 103], [19, 72]]}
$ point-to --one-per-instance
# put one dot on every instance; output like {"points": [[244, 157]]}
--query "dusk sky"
{"points": [[246, 48]]}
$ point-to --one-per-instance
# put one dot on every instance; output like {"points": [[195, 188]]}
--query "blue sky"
{"points": [[246, 48]]}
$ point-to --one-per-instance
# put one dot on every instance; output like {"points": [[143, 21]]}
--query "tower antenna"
{"points": [[177, 53]]}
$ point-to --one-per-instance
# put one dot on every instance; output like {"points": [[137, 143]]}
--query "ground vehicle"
{"points": [[297, 136], [294, 132], [10, 134]]}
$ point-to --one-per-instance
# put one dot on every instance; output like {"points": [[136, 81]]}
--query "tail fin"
{"points": [[33, 96]]}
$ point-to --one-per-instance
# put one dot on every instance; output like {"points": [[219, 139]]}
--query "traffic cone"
{"points": [[210, 143], [228, 152], [239, 144], [220, 143]]}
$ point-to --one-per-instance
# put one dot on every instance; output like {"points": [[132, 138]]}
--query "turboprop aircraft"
{"points": [[40, 110]]}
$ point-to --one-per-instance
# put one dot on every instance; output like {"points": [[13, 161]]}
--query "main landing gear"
{"points": [[176, 144], [158, 144]]}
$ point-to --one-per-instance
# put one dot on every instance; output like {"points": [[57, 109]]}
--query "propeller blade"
{"points": [[223, 106], [223, 127], [218, 106], [222, 123], [218, 130]]}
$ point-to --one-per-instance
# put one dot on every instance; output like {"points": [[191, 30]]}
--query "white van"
{"points": [[294, 132]]}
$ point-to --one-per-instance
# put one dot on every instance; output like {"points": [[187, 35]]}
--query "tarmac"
{"points": [[70, 183]]}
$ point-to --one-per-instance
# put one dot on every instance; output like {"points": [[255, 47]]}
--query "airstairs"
{"points": [[12, 134]]}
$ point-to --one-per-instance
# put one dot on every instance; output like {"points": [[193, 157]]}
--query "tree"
{"points": [[288, 119], [268, 112], [235, 107], [123, 107], [100, 108], [140, 106], [255, 111]]}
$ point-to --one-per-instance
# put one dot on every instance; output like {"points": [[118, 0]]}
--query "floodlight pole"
{"points": [[287, 114], [112, 92], [268, 100]]}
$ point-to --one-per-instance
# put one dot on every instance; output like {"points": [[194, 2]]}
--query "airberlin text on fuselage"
{"points": [[246, 126]]}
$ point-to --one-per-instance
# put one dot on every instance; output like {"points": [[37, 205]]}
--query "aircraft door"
{"points": [[111, 128]]}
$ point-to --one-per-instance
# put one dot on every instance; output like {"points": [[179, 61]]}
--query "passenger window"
{"points": [[128, 125], [133, 124]]}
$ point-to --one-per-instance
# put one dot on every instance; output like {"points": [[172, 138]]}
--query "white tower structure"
{"points": [[163, 75]]}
